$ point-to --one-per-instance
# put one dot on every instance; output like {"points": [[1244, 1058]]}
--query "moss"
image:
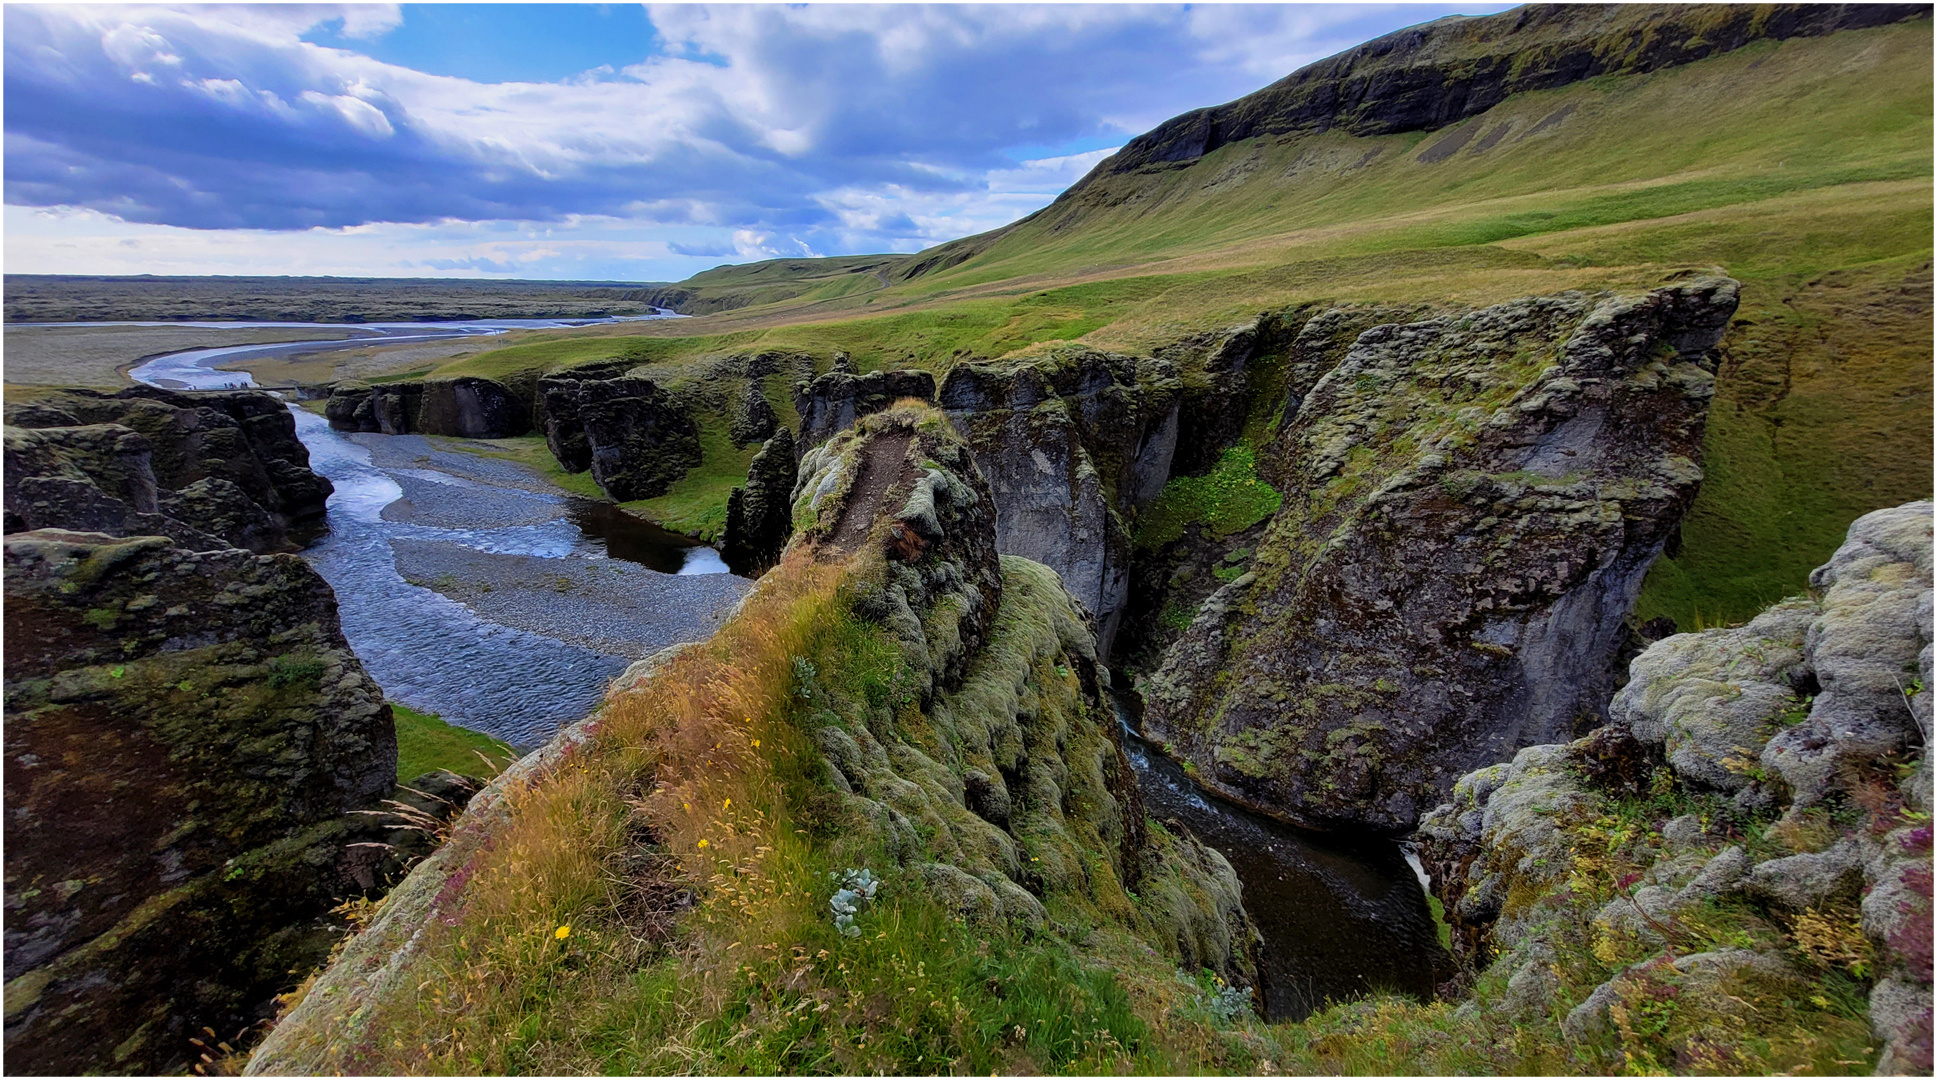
{"points": [[1230, 499]]}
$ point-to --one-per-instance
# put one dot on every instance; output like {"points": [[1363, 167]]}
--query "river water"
{"points": [[1341, 916]]}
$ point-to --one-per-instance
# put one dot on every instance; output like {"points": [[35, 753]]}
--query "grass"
{"points": [[426, 743], [1801, 167]]}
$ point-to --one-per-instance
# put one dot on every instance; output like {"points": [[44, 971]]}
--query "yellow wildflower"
{"points": [[562, 932], [702, 842]]}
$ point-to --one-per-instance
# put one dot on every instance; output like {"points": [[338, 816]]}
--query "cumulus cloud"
{"points": [[784, 130]]}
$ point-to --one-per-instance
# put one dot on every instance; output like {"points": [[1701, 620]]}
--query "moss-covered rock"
{"points": [[634, 436], [1675, 830], [208, 469], [1471, 504], [187, 738], [833, 401]]}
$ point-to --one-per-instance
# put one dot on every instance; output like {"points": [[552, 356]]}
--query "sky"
{"points": [[590, 142]]}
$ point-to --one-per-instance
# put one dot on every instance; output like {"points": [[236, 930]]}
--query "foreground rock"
{"points": [[209, 470], [989, 772], [833, 401], [187, 738], [1779, 769], [1471, 504]]}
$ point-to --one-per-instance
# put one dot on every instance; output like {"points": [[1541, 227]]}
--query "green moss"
{"points": [[1231, 498], [696, 503], [426, 743]]}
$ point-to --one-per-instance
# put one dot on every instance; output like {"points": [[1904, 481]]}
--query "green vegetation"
{"points": [[426, 744], [1227, 500], [1800, 167], [696, 503]]}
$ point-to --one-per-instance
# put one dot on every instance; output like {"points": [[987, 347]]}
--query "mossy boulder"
{"points": [[833, 401], [759, 515], [188, 738]]}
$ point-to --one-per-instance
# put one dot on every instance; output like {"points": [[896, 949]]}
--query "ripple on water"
{"points": [[426, 650]]}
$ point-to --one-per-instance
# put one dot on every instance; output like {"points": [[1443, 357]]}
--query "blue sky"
{"points": [[612, 142]]}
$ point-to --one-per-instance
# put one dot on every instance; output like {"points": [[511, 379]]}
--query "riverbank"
{"points": [[472, 589]]}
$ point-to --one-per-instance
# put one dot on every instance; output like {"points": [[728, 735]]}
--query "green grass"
{"points": [[1229, 499], [426, 743], [1801, 167]]}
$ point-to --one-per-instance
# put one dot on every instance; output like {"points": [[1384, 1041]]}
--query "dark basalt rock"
{"points": [[467, 407], [209, 470], [760, 515], [755, 420], [835, 400], [1430, 76], [634, 437], [186, 737], [1070, 442], [1471, 503]]}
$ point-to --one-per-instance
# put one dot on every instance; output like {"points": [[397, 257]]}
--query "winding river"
{"points": [[426, 650], [1339, 916]]}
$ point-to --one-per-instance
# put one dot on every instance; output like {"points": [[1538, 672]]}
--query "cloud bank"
{"points": [[739, 132]]}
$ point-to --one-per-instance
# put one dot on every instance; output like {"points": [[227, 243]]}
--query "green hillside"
{"points": [[1802, 167]]}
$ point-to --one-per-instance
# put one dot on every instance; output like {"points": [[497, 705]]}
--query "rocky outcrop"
{"points": [[210, 470], [1739, 735], [187, 737], [836, 399], [754, 421], [634, 437], [1471, 503], [466, 407], [1070, 443], [760, 514], [985, 764]]}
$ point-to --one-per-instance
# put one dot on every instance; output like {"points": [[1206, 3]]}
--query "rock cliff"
{"points": [[209, 470], [187, 738], [833, 401], [628, 430], [760, 515], [1470, 505], [466, 407], [1070, 443], [1766, 786]]}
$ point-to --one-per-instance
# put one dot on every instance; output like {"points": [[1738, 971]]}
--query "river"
{"points": [[515, 664]]}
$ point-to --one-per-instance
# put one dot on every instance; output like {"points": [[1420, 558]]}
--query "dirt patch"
{"points": [[884, 466]]}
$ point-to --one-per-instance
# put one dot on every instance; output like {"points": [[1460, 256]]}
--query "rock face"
{"points": [[836, 399], [628, 430], [1471, 503], [185, 735], [754, 421], [210, 470], [760, 515], [1070, 443], [1819, 700], [466, 407]]}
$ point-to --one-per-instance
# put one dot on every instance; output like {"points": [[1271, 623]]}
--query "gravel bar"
{"points": [[606, 605]]}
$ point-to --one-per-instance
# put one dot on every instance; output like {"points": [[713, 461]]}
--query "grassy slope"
{"points": [[426, 743], [1803, 168]]}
